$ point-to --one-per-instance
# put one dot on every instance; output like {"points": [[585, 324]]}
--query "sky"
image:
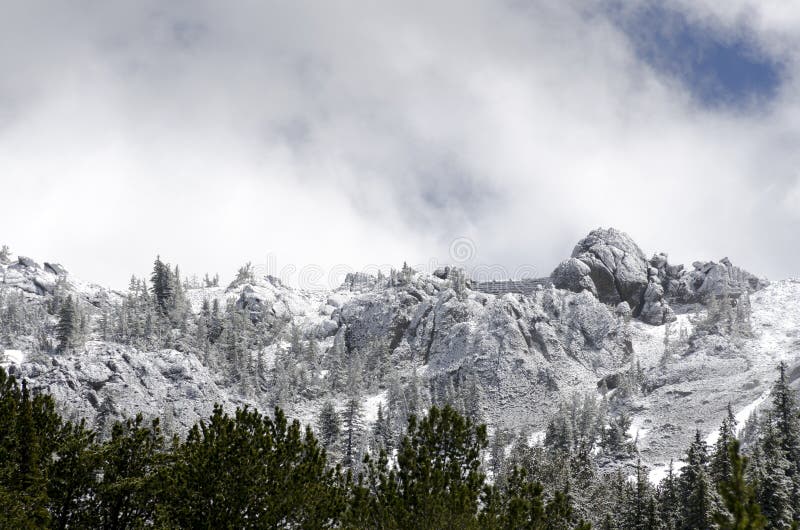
{"points": [[316, 138]]}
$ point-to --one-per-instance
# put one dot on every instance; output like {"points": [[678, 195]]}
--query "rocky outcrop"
{"points": [[574, 275], [107, 382], [706, 279], [609, 264], [655, 309]]}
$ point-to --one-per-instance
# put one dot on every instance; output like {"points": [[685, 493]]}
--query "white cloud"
{"points": [[338, 132]]}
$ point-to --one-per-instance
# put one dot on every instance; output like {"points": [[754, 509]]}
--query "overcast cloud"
{"points": [[363, 133]]}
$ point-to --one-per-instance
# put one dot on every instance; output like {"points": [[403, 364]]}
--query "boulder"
{"points": [[623, 310], [655, 310], [27, 262], [574, 275], [617, 266], [56, 269]]}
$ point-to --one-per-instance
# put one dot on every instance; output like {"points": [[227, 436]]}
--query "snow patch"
{"points": [[536, 438], [371, 405], [12, 357], [659, 473], [741, 417], [636, 431]]}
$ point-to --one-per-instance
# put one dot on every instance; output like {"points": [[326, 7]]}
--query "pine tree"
{"points": [[774, 482], [437, 481], [351, 432], [669, 500], [66, 327], [721, 469], [251, 471], [786, 415], [73, 478], [695, 488], [738, 496], [382, 432], [162, 286], [29, 472], [329, 426], [640, 501], [130, 466]]}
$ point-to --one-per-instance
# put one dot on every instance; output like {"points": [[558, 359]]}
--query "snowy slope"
{"points": [[695, 388]]}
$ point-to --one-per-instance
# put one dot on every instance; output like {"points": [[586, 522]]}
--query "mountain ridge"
{"points": [[419, 339]]}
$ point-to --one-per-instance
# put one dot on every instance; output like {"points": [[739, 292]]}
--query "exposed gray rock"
{"points": [[618, 267], [655, 310], [623, 310], [27, 262], [56, 269], [574, 275], [704, 280]]}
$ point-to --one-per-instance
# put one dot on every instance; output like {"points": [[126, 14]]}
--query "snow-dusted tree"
{"points": [[497, 449], [696, 489], [786, 414], [329, 426], [352, 429], [382, 434], [162, 286], [721, 464], [669, 500], [774, 481], [244, 275], [742, 511], [470, 396], [5, 254], [67, 327], [614, 438], [639, 512]]}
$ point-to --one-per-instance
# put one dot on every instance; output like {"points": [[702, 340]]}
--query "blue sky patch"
{"points": [[718, 70]]}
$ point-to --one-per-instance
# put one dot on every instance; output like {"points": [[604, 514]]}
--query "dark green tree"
{"points": [[786, 415], [66, 327], [774, 485], [720, 468], [249, 471], [742, 511], [161, 280], [131, 465], [329, 426], [437, 480], [695, 488]]}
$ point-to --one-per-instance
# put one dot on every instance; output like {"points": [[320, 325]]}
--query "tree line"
{"points": [[248, 470]]}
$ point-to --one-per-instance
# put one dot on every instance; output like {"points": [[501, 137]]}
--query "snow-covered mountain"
{"points": [[669, 345]]}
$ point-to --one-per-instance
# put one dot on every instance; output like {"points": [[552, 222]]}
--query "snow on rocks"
{"points": [[107, 382], [692, 389], [9, 357], [371, 404]]}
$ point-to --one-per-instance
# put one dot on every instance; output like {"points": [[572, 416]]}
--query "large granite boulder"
{"points": [[617, 268]]}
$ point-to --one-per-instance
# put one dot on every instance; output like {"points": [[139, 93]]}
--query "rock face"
{"points": [[610, 265], [705, 279], [611, 262], [655, 310]]}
